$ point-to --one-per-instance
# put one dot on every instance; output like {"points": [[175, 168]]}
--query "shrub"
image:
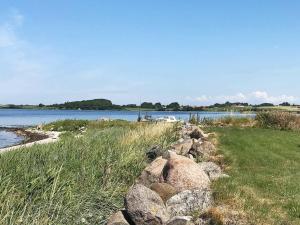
{"points": [[66, 125], [278, 120], [229, 121]]}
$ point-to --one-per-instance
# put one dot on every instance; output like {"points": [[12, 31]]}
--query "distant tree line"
{"points": [[95, 104], [104, 104]]}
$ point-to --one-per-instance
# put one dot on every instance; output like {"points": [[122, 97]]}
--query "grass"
{"points": [[228, 121], [281, 108], [278, 120], [264, 166], [76, 180]]}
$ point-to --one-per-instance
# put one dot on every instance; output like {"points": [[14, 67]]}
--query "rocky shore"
{"points": [[175, 188]]}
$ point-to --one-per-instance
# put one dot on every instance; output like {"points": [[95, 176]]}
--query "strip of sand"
{"points": [[51, 136]]}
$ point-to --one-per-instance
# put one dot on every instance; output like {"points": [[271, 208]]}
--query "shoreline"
{"points": [[31, 136]]}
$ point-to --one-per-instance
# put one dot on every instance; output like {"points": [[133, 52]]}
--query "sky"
{"points": [[194, 52]]}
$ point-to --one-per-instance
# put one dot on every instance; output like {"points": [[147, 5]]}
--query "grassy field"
{"points": [[280, 108], [264, 166], [76, 180]]}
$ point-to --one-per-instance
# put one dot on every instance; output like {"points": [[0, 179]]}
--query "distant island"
{"points": [[105, 104]]}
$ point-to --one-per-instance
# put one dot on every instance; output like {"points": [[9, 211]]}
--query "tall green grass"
{"points": [[76, 180]]}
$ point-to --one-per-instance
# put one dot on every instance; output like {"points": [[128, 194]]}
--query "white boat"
{"points": [[168, 119]]}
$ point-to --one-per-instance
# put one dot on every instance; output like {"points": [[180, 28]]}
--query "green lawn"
{"points": [[265, 174], [76, 180]]}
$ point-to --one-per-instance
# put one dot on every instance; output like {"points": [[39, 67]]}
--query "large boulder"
{"points": [[189, 201], [145, 207], [152, 172], [117, 218], [164, 190], [182, 148], [181, 220], [183, 173], [212, 170]]}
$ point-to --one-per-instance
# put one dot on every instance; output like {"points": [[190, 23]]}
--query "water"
{"points": [[9, 138], [27, 117]]}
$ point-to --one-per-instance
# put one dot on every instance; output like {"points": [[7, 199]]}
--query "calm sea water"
{"points": [[9, 138], [23, 117]]}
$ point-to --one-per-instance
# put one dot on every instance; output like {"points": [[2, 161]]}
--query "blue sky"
{"points": [[194, 52]]}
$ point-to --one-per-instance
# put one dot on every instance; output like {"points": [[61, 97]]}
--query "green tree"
{"points": [[158, 106], [173, 106], [147, 105]]}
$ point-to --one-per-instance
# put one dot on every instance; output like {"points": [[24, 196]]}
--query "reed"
{"points": [[76, 180]]}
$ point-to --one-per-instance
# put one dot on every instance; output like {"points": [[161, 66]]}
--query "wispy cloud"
{"points": [[24, 68], [253, 97], [7, 29]]}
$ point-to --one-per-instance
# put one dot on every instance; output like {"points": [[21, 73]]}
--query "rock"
{"points": [[117, 219], [211, 169], [145, 207], [189, 201], [202, 149], [181, 220], [182, 148], [154, 152], [197, 133], [152, 172], [208, 147], [190, 156], [183, 173], [195, 150], [181, 140], [202, 221], [164, 190]]}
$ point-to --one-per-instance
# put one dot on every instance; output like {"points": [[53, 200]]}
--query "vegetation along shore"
{"points": [[226, 168], [105, 104]]}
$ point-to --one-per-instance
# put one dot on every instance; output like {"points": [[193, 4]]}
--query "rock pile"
{"points": [[173, 187]]}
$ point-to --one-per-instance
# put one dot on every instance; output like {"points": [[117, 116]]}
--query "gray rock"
{"points": [[202, 149], [154, 152], [181, 220], [202, 221], [182, 148], [213, 171], [117, 219], [189, 201], [145, 207], [197, 133]]}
